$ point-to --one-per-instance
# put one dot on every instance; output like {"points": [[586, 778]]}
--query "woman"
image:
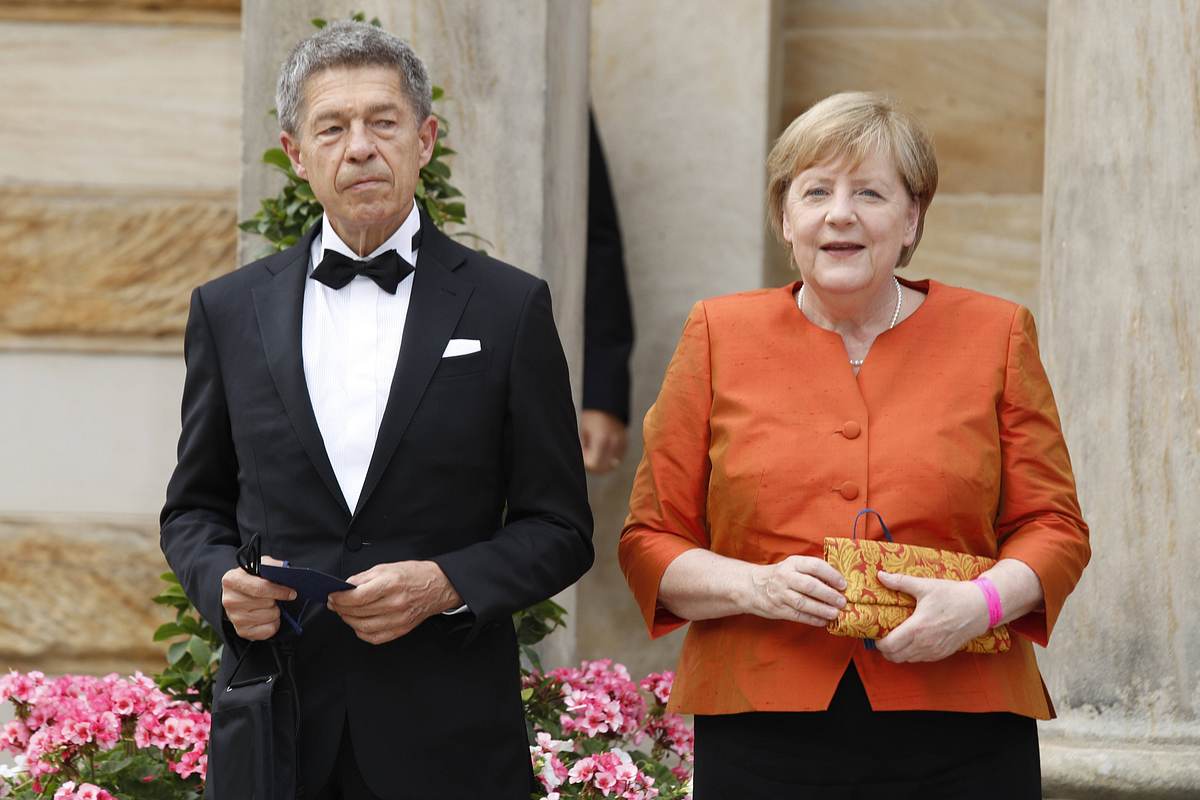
{"points": [[784, 412]]}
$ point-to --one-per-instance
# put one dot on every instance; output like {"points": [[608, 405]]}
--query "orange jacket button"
{"points": [[848, 490], [851, 430]]}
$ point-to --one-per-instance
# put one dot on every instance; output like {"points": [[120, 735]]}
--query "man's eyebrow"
{"points": [[338, 114], [331, 114], [380, 108]]}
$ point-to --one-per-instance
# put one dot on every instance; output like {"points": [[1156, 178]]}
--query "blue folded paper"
{"points": [[310, 584]]}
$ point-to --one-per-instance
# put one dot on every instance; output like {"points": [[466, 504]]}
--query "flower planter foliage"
{"points": [[84, 738]]}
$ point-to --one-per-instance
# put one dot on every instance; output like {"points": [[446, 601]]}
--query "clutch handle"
{"points": [[870, 643], [854, 531]]}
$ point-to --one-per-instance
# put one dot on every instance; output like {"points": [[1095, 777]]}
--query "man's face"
{"points": [[360, 147]]}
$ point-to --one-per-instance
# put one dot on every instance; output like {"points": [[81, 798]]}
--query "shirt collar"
{"points": [[401, 241]]}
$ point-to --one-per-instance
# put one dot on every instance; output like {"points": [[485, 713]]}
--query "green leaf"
{"points": [[168, 630], [176, 651], [438, 168], [526, 694], [199, 650], [277, 158], [117, 761], [317, 22], [437, 93]]}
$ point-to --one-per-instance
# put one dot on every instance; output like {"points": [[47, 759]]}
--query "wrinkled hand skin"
{"points": [[250, 602], [389, 600], [603, 438], [799, 589], [948, 615]]}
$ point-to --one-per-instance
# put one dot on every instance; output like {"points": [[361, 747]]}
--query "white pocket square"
{"points": [[461, 347]]}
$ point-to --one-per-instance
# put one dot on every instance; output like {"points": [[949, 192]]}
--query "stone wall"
{"points": [[974, 72], [118, 180]]}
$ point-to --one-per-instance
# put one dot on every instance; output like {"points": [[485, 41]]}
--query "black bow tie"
{"points": [[387, 270]]}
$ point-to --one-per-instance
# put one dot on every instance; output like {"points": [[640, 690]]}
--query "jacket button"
{"points": [[851, 430], [848, 490], [354, 542]]}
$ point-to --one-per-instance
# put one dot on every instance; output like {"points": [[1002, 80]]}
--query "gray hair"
{"points": [[349, 44]]}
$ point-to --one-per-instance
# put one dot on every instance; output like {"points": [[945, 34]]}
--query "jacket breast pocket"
{"points": [[462, 366]]}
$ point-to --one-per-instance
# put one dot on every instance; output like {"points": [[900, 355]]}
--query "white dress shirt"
{"points": [[351, 340]]}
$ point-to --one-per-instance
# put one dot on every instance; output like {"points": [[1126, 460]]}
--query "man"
{"points": [[410, 430]]}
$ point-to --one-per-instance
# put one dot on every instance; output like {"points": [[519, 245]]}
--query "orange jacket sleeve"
{"points": [[1039, 521], [667, 504]]}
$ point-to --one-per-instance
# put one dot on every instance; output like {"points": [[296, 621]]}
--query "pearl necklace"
{"points": [[858, 362]]}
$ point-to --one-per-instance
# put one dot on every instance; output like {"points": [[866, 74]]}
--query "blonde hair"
{"points": [[852, 126]]}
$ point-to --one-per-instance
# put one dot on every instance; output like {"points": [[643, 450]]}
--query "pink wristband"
{"points": [[995, 608]]}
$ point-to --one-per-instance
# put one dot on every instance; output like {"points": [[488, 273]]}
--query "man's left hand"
{"points": [[389, 600], [948, 615]]}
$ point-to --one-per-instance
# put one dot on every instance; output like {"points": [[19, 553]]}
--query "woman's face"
{"points": [[846, 225]]}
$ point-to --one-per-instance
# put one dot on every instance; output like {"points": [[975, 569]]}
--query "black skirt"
{"points": [[851, 751]]}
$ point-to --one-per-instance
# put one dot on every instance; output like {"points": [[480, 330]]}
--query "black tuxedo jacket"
{"points": [[477, 467]]}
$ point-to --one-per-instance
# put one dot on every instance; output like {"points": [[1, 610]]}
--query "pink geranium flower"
{"points": [[70, 720]]}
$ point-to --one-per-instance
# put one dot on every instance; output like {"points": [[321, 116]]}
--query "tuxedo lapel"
{"points": [[437, 303], [279, 307]]}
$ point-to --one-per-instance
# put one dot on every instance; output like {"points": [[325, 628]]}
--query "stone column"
{"points": [[515, 77], [685, 106], [1120, 331]]}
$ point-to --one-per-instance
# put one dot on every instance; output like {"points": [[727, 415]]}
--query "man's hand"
{"points": [[249, 603], [948, 615], [603, 437], [389, 600]]}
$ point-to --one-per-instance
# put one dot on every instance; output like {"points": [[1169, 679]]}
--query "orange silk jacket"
{"points": [[762, 442]]}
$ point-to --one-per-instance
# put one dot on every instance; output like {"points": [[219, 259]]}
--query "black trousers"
{"points": [[851, 751], [346, 781]]}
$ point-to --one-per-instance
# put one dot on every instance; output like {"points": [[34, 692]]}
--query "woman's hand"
{"points": [[799, 589], [949, 614]]}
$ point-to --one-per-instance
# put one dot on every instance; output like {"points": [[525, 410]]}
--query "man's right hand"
{"points": [[249, 603]]}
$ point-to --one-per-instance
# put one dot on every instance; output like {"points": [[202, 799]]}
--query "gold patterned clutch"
{"points": [[872, 610]]}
